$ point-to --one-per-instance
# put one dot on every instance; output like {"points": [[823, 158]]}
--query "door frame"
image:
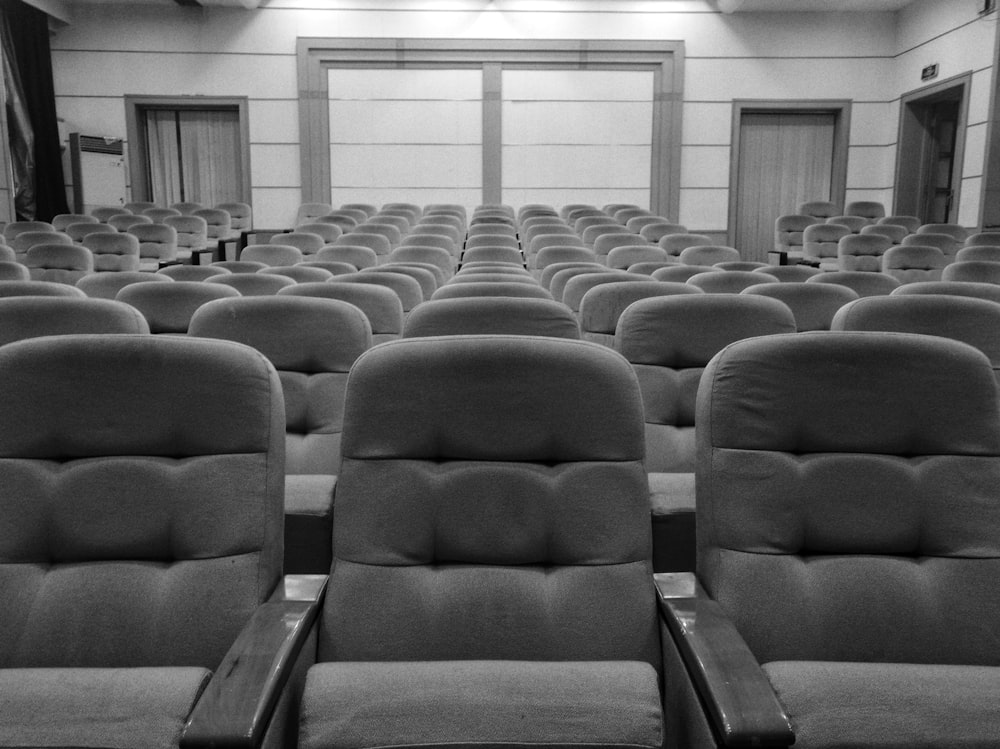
{"points": [[135, 106], [841, 111], [910, 138]]}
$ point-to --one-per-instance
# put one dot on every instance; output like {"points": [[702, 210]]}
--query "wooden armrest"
{"points": [[236, 707], [739, 699]]}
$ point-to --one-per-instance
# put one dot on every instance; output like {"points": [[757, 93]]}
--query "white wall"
{"points": [[113, 50]]}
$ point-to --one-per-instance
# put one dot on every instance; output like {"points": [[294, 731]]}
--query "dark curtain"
{"points": [[26, 31]]}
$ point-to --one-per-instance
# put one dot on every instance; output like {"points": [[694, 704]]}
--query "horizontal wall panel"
{"points": [[707, 123], [705, 166], [576, 166], [403, 83], [577, 85], [275, 166], [532, 123], [704, 209], [119, 73], [870, 167], [274, 121], [406, 121], [956, 51], [99, 115], [874, 124], [275, 207], [721, 80], [406, 166]]}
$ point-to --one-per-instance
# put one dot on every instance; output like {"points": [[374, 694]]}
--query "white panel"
{"points": [[577, 85], [576, 166], [577, 122], [406, 166], [979, 97], [705, 166], [968, 209], [275, 208], [704, 209], [721, 80], [274, 121], [406, 121], [874, 124], [93, 115], [869, 168], [397, 83], [120, 73], [275, 166], [707, 123], [975, 151]]}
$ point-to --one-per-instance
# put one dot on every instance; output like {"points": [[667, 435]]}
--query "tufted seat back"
{"points": [[142, 523], [481, 513], [669, 340], [846, 497], [312, 343]]}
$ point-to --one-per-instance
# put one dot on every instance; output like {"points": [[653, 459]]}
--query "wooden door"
{"points": [[785, 158]]}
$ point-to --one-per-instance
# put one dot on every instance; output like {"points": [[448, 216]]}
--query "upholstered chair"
{"points": [[911, 263], [490, 582], [142, 540], [379, 304], [107, 285], [847, 547], [728, 281], [669, 340], [602, 305], [990, 291], [38, 288], [61, 263], [863, 282], [813, 305], [192, 272], [168, 307], [272, 254], [313, 343], [512, 288], [30, 317]]}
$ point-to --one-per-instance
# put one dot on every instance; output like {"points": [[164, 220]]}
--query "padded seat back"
{"points": [[136, 532], [107, 285], [273, 254], [33, 316], [119, 251], [862, 252], [513, 288], [602, 305], [669, 340], [380, 305], [813, 305], [846, 497], [911, 263], [312, 343], [168, 307], [157, 242], [483, 514], [492, 315], [252, 284], [61, 263]]}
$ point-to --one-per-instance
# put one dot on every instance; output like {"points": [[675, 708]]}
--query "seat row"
{"points": [[491, 579]]}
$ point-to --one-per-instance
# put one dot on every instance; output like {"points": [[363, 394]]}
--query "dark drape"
{"points": [[28, 37]]}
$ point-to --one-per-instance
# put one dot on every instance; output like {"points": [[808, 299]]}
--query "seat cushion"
{"points": [[889, 705], [93, 707], [481, 703]]}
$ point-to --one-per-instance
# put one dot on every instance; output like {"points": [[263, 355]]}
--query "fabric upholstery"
{"points": [[813, 305], [512, 288], [251, 284], [863, 282], [312, 343], [380, 305], [492, 315], [168, 307], [30, 317], [92, 707], [513, 510], [890, 706], [972, 321], [137, 531], [602, 306], [852, 528], [38, 288], [990, 291], [728, 281], [471, 703]]}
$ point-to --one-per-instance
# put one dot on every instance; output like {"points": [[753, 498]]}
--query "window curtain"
{"points": [[36, 151], [194, 155]]}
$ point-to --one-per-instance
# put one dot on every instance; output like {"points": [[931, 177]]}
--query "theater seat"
{"points": [[491, 576], [312, 343], [669, 340], [847, 547], [492, 315], [141, 539], [33, 316]]}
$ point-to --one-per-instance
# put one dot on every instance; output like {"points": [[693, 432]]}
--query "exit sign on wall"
{"points": [[929, 72]]}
